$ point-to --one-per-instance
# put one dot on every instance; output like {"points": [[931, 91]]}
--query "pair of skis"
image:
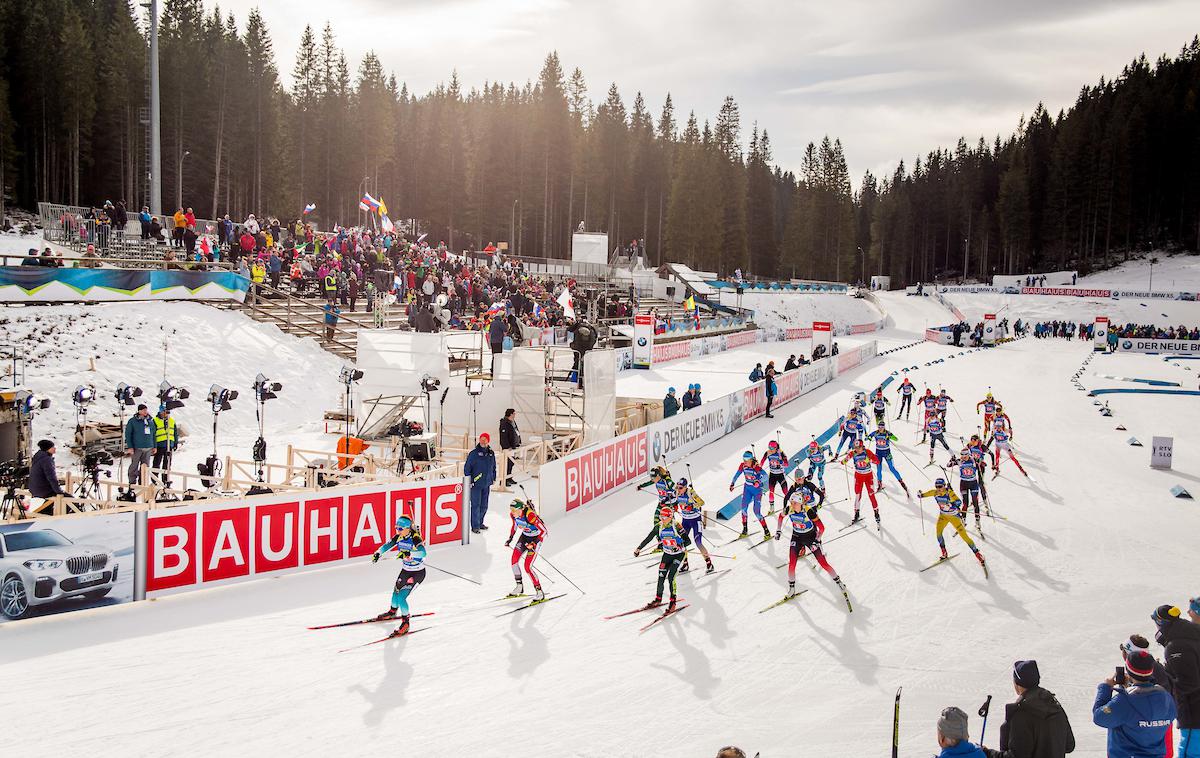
{"points": [[947, 559], [679, 606]]}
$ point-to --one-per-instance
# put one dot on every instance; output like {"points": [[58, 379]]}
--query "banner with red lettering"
{"points": [[213, 542], [577, 479]]}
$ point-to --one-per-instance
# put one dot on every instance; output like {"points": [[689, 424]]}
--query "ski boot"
{"points": [[979, 557], [538, 595], [856, 518], [685, 567], [745, 531], [791, 589], [945, 555], [766, 533], [517, 590], [838, 581], [709, 567], [671, 605], [403, 628], [657, 601], [390, 613]]}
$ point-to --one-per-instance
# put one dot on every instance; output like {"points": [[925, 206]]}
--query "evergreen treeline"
{"points": [[528, 162]]}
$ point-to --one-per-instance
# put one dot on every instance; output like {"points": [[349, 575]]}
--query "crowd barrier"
{"points": [[597, 471], [693, 348], [98, 559], [1067, 291], [35, 284]]}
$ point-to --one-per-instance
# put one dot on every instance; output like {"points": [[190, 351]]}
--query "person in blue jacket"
{"points": [[1137, 715], [952, 735], [480, 470]]}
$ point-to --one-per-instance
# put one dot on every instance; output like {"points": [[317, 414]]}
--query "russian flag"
{"points": [[368, 203], [310, 208]]}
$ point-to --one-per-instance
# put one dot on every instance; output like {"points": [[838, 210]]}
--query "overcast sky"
{"points": [[891, 79]]}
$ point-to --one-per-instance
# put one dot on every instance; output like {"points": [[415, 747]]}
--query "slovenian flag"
{"points": [[310, 208]]}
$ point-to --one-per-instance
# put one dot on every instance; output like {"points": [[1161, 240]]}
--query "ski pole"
{"points": [[560, 573], [896, 725], [451, 573], [983, 711]]}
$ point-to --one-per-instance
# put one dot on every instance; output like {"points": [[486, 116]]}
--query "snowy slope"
{"points": [[786, 310], [1047, 308], [198, 346], [1172, 273], [1070, 578]]}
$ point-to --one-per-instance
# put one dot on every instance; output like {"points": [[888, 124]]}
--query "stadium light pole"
{"points": [[155, 168]]}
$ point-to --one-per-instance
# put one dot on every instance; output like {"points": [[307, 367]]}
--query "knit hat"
{"points": [[45, 445], [142, 407], [485, 438], [1163, 613], [1140, 664], [1134, 643], [1025, 673], [953, 724]]}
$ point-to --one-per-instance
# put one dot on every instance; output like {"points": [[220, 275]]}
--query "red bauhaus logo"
{"points": [[595, 473], [225, 541]]}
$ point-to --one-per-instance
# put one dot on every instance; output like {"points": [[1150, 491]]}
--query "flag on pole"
{"points": [[382, 208], [310, 208], [368, 203], [386, 224], [690, 303], [565, 301]]}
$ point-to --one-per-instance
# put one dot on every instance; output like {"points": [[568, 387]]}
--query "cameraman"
{"points": [[1138, 716], [139, 442], [43, 478], [165, 441]]}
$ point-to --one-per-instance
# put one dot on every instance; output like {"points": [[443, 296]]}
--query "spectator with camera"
{"points": [[1035, 725], [1136, 712], [140, 443], [43, 477], [1180, 639]]}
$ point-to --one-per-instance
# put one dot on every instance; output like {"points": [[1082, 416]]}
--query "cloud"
{"points": [[892, 80]]}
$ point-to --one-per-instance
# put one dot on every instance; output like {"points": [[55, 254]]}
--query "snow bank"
{"points": [[801, 310], [191, 345], [1179, 273]]}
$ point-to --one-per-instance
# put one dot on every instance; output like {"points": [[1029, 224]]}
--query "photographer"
{"points": [[139, 442], [43, 478], [952, 736], [1138, 716], [510, 438]]}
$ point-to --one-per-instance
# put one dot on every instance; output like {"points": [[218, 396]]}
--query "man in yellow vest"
{"points": [[165, 440], [258, 273]]}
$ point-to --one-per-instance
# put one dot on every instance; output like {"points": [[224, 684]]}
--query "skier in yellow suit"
{"points": [[949, 507]]}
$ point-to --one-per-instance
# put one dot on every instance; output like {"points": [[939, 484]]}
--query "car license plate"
{"points": [[89, 578]]}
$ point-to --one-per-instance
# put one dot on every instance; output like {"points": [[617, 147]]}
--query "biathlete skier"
{"points": [[754, 477], [852, 429], [674, 543], [776, 463], [906, 390], [883, 440], [863, 479], [935, 426], [988, 403], [533, 531], [801, 512], [408, 543], [879, 404], [690, 505], [816, 460], [948, 507]]}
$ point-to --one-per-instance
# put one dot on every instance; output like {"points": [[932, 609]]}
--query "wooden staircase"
{"points": [[305, 317]]}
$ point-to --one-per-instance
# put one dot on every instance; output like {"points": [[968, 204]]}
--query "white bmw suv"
{"points": [[40, 566]]}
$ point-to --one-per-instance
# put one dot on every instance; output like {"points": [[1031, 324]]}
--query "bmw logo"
{"points": [[657, 446], [641, 341], [1126, 345]]}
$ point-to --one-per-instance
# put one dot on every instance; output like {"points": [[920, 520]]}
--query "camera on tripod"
{"points": [[93, 461], [13, 473]]}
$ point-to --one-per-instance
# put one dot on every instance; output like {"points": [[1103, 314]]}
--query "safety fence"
{"points": [[42, 284], [698, 346], [597, 471], [84, 561]]}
